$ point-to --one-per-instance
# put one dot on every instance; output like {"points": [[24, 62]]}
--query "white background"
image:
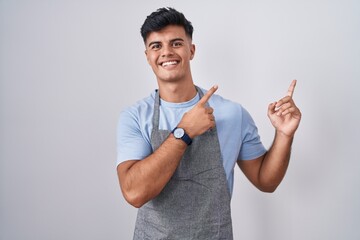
{"points": [[67, 69]]}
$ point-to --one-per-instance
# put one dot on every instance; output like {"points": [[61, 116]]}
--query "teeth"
{"points": [[169, 63]]}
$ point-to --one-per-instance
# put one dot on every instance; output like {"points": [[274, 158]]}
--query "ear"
{"points": [[146, 54], [192, 51]]}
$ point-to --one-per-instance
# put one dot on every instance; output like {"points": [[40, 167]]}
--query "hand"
{"points": [[200, 118], [284, 115]]}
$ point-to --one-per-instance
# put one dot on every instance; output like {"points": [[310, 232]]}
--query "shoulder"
{"points": [[141, 109]]}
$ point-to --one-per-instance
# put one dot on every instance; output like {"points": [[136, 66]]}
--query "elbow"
{"points": [[268, 185], [268, 189], [134, 199], [137, 197], [134, 202]]}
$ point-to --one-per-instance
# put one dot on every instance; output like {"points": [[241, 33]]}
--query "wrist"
{"points": [[283, 137], [187, 130], [180, 134]]}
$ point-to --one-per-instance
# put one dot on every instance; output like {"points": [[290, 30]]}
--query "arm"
{"points": [[267, 171], [141, 181]]}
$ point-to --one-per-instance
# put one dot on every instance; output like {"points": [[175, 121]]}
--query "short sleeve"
{"points": [[131, 141], [252, 146]]}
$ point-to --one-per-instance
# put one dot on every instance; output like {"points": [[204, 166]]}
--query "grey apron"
{"points": [[195, 203]]}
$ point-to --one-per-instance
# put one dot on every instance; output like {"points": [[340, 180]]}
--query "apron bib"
{"points": [[195, 203]]}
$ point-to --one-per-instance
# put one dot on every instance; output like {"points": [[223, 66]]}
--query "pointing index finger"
{"points": [[207, 96], [291, 89]]}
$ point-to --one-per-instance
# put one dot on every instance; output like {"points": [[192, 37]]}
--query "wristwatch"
{"points": [[179, 133]]}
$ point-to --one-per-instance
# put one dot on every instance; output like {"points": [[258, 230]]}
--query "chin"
{"points": [[169, 78]]}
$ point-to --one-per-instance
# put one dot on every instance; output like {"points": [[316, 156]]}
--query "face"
{"points": [[169, 52]]}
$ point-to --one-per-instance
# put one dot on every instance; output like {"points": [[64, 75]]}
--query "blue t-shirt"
{"points": [[237, 132]]}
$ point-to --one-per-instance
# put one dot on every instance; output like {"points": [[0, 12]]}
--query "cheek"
{"points": [[151, 60]]}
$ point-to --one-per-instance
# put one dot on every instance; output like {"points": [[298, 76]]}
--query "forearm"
{"points": [[275, 162], [142, 180], [266, 172]]}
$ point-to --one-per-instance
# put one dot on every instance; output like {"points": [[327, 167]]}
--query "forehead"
{"points": [[167, 34]]}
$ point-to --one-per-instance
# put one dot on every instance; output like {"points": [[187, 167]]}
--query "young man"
{"points": [[177, 148]]}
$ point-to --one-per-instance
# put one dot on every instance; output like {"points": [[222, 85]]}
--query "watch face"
{"points": [[179, 132]]}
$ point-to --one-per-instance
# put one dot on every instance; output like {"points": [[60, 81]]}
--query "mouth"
{"points": [[169, 63]]}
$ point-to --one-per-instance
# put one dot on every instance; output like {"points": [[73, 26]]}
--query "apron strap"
{"points": [[156, 114]]}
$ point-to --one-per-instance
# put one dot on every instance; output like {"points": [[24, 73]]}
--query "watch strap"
{"points": [[186, 138]]}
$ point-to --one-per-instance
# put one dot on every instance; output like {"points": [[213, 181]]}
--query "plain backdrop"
{"points": [[67, 69]]}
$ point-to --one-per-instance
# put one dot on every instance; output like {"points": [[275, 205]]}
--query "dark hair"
{"points": [[162, 18]]}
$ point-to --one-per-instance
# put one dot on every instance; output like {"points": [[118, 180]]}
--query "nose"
{"points": [[167, 51]]}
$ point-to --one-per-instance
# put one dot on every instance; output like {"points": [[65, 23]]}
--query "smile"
{"points": [[169, 63]]}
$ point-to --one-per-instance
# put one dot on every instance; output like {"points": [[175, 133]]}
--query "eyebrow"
{"points": [[172, 40]]}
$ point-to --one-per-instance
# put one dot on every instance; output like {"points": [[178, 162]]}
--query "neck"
{"points": [[175, 92]]}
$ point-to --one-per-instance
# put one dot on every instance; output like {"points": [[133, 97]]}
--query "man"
{"points": [[177, 148]]}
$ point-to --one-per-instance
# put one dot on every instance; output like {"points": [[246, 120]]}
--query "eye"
{"points": [[177, 44], [155, 46]]}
